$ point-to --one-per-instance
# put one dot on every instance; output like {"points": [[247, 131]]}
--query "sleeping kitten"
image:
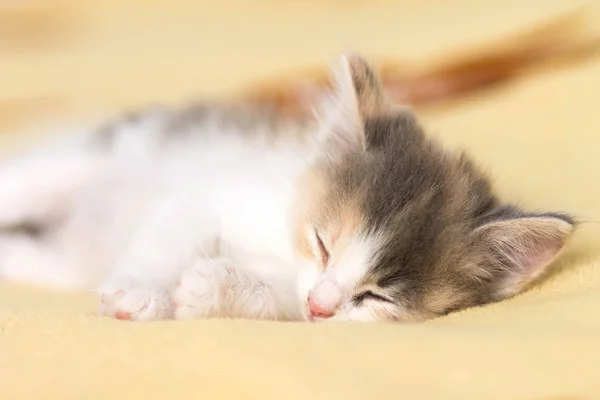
{"points": [[236, 211]]}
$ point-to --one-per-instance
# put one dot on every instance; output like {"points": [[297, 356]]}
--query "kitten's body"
{"points": [[223, 174], [237, 211]]}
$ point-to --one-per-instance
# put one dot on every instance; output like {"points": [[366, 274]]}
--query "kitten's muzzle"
{"points": [[324, 300]]}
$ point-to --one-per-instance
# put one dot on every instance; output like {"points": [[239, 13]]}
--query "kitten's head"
{"points": [[401, 229]]}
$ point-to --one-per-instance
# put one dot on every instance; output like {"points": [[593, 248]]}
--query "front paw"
{"points": [[123, 297], [199, 292]]}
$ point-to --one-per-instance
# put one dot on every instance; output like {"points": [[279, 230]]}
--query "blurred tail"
{"points": [[474, 70]]}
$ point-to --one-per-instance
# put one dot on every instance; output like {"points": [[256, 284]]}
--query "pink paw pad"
{"points": [[123, 316], [125, 300]]}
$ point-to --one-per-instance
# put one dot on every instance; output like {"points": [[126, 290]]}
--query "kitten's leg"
{"points": [[33, 261], [216, 288], [200, 291], [39, 188], [174, 237]]}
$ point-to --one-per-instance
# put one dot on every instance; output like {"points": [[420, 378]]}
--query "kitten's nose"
{"points": [[318, 310], [324, 300]]}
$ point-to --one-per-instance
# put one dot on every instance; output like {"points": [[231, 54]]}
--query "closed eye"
{"points": [[323, 252], [369, 295]]}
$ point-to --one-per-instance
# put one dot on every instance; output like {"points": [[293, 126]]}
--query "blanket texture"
{"points": [[539, 137]]}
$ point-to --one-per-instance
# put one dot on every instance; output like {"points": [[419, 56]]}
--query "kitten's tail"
{"points": [[425, 85]]}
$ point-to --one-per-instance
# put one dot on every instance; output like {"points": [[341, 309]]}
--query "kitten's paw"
{"points": [[199, 292], [122, 297]]}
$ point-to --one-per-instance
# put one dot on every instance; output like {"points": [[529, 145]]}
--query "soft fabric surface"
{"points": [[539, 137]]}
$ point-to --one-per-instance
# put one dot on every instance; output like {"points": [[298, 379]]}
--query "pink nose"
{"points": [[318, 310]]}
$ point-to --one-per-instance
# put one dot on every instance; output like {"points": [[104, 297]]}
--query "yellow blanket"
{"points": [[539, 137]]}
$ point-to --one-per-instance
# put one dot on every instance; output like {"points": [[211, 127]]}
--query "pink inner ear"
{"points": [[533, 262], [525, 247]]}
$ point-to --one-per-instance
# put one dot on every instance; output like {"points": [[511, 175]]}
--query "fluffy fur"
{"points": [[234, 210]]}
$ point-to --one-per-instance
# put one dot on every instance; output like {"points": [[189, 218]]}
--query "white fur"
{"points": [[143, 219], [27, 260]]}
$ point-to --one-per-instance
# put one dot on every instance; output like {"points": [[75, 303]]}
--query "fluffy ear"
{"points": [[357, 96], [518, 249], [358, 87]]}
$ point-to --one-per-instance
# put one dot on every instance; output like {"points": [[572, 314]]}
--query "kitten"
{"points": [[235, 210]]}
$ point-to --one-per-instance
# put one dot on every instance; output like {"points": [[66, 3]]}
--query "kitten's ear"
{"points": [[358, 87], [357, 96], [518, 249]]}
